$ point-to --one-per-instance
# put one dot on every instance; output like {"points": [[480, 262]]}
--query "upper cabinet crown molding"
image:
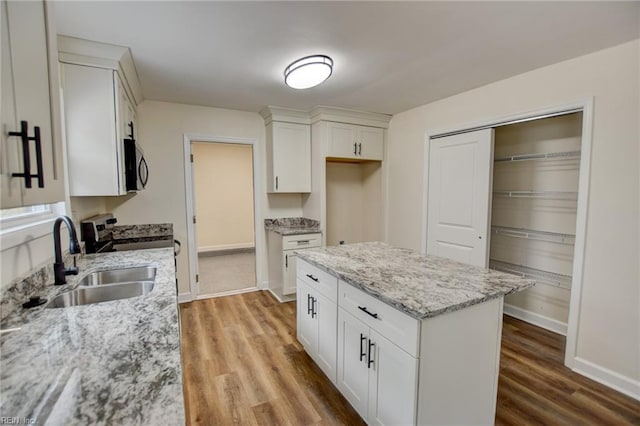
{"points": [[343, 115], [78, 51], [285, 115]]}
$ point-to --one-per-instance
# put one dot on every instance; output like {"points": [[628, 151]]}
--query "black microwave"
{"points": [[136, 169]]}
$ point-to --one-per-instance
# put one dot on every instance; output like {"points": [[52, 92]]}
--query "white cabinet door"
{"points": [[353, 375], [370, 143], [458, 210], [327, 317], [393, 377], [288, 272], [342, 140], [289, 157], [93, 147], [307, 326], [27, 96]]}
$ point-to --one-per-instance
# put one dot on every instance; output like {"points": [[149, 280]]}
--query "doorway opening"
{"points": [[224, 218]]}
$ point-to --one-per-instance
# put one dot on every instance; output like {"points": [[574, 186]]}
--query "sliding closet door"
{"points": [[458, 210]]}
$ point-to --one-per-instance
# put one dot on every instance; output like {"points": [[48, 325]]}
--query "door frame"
{"points": [[586, 107], [190, 138]]}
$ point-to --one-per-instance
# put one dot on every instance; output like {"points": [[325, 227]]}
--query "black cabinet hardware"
{"points": [[276, 183], [26, 154], [360, 149], [309, 307], [286, 261], [364, 309], [131, 127], [363, 339], [314, 301], [312, 277], [370, 360], [355, 148], [303, 241]]}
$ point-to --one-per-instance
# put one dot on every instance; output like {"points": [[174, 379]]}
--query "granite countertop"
{"points": [[292, 225], [108, 363], [421, 286], [123, 234]]}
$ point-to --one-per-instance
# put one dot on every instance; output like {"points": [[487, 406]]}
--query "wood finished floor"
{"points": [[243, 365]]}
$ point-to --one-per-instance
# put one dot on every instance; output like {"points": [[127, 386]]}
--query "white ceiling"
{"points": [[389, 56]]}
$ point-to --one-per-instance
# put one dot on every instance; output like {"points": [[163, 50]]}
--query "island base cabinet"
{"points": [[377, 377], [459, 366], [317, 317]]}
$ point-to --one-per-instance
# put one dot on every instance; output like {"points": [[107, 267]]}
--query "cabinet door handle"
{"points": [[314, 301], [355, 148], [312, 277], [360, 148], [364, 309], [370, 360], [276, 183], [363, 339], [286, 261], [309, 307], [303, 241], [26, 154]]}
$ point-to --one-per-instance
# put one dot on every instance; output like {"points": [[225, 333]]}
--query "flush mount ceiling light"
{"points": [[308, 71]]}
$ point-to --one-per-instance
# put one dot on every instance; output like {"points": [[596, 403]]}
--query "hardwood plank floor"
{"points": [[243, 365]]}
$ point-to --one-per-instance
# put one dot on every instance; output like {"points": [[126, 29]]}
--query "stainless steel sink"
{"points": [[106, 293], [121, 275]]}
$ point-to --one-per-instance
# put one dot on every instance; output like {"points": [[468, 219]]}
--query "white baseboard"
{"points": [[281, 297], [617, 381], [184, 297], [206, 249], [536, 319], [227, 293]]}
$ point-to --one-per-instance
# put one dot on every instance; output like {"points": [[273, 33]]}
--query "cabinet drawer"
{"points": [[393, 324], [292, 242], [325, 284]]}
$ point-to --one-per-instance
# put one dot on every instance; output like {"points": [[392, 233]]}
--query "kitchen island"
{"points": [[115, 362], [406, 338]]}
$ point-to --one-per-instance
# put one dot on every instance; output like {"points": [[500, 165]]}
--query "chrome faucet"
{"points": [[59, 270]]}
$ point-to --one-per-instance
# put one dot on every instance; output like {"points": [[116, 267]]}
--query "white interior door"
{"points": [[458, 209]]}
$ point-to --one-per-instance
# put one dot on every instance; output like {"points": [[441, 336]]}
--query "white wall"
{"points": [[609, 319], [162, 127], [223, 186]]}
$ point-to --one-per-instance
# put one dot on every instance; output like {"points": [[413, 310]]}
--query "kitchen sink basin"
{"points": [[106, 293], [121, 275]]}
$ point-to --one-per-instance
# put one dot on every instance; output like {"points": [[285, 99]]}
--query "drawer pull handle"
{"points": [[363, 338], [312, 277], [370, 360], [303, 241], [364, 309]]}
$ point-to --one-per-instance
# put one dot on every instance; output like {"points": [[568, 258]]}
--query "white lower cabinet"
{"points": [[377, 377], [317, 322]]}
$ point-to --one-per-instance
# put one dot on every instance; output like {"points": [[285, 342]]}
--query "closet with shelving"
{"points": [[533, 218]]}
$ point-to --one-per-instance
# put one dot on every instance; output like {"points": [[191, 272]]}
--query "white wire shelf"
{"points": [[540, 276], [550, 195], [551, 237], [564, 155]]}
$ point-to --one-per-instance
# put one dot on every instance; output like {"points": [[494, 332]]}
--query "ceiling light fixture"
{"points": [[308, 71]]}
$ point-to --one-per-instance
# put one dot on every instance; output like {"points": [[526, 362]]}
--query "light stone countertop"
{"points": [[421, 286], [292, 226], [107, 363]]}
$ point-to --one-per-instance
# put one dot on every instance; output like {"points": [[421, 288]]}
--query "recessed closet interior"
{"points": [[354, 201], [533, 221]]}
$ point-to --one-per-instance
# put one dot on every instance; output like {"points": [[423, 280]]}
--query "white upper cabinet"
{"points": [[288, 157], [99, 104], [355, 142], [94, 107], [288, 135], [30, 154]]}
